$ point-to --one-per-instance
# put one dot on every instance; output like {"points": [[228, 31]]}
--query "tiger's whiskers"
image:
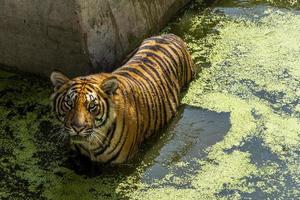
{"points": [[60, 135], [97, 137], [100, 134]]}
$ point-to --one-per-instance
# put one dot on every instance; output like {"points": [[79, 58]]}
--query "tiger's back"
{"points": [[147, 97], [151, 83]]}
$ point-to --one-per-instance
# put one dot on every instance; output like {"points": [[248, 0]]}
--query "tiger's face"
{"points": [[84, 106]]}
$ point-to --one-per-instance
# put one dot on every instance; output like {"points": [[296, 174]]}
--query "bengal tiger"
{"points": [[107, 116]]}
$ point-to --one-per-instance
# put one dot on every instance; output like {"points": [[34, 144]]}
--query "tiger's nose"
{"points": [[78, 127]]}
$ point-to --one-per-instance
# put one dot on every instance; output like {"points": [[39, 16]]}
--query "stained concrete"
{"points": [[79, 36]]}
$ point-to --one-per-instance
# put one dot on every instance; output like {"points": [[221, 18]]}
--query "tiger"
{"points": [[107, 116]]}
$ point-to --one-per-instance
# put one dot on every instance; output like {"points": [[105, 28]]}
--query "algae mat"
{"points": [[236, 138]]}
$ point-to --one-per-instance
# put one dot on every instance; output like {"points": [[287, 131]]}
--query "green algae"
{"points": [[288, 4], [231, 170], [247, 66], [284, 3], [254, 75]]}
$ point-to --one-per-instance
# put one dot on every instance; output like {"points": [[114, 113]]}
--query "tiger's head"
{"points": [[85, 106]]}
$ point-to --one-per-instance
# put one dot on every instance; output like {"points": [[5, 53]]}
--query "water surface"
{"points": [[236, 135]]}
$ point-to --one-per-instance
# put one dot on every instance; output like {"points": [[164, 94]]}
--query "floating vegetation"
{"points": [[236, 137]]}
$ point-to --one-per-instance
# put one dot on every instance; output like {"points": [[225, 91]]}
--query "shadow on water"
{"points": [[185, 139]]}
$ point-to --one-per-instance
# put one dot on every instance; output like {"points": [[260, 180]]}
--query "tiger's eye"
{"points": [[92, 105], [69, 102]]}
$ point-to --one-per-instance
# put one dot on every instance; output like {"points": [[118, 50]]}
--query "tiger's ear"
{"points": [[58, 79], [110, 85]]}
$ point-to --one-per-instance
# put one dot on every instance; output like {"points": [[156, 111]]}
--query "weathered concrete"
{"points": [[77, 36]]}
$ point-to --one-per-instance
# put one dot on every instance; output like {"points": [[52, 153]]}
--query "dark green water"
{"points": [[236, 136]]}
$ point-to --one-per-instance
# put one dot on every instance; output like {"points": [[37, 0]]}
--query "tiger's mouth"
{"points": [[77, 139], [91, 138]]}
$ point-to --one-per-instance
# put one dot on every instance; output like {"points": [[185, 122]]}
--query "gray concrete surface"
{"points": [[79, 36]]}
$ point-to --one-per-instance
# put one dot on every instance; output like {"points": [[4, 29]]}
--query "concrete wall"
{"points": [[40, 35], [77, 36]]}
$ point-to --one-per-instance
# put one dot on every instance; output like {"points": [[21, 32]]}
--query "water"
{"points": [[236, 135], [185, 139]]}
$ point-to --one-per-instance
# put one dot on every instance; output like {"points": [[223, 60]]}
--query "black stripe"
{"points": [[135, 103], [130, 150], [141, 86], [121, 132], [159, 61], [158, 40], [169, 67], [154, 89], [163, 85], [169, 88], [167, 54], [167, 78], [89, 88], [109, 134], [182, 46], [138, 111], [123, 135], [60, 106], [162, 110], [185, 67], [106, 112]]}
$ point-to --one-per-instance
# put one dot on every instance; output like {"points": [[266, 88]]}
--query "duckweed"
{"points": [[248, 69]]}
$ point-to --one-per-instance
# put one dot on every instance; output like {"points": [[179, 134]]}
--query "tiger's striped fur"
{"points": [[112, 113]]}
